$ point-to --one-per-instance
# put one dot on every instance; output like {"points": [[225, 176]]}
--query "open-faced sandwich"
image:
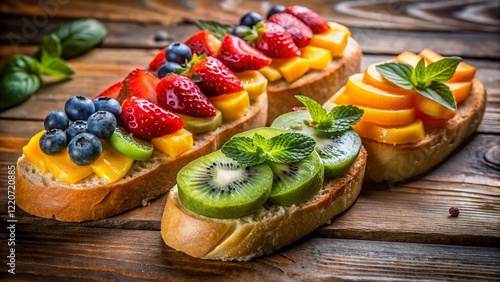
{"points": [[267, 187], [417, 109]]}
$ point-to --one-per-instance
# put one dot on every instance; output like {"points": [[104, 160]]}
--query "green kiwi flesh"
{"points": [[337, 151], [201, 124]]}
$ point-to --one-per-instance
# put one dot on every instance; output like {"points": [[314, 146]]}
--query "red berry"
{"points": [[214, 78], [113, 91], [139, 83], [158, 60], [314, 21], [239, 56], [203, 42], [301, 33], [275, 42], [147, 120], [180, 94]]}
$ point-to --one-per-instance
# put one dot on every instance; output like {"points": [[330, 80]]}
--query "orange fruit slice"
{"points": [[409, 133]]}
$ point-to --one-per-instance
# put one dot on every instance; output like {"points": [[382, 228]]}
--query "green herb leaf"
{"points": [[440, 93], [243, 150], [418, 75], [56, 67], [288, 148], [16, 87], [397, 73], [219, 30], [80, 36], [51, 45], [20, 63], [317, 112], [343, 118], [442, 70]]}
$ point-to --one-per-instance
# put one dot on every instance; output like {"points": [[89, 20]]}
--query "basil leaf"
{"points": [[56, 67], [418, 77], [243, 150], [343, 118], [442, 70], [440, 93], [20, 63], [51, 45], [217, 29], [289, 147], [80, 36], [16, 87], [397, 73]]}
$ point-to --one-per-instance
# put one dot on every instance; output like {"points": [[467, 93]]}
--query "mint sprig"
{"points": [[219, 30], [426, 80], [284, 148], [338, 119]]}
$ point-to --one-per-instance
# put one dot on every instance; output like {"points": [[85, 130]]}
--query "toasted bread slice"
{"points": [[93, 198], [266, 230]]}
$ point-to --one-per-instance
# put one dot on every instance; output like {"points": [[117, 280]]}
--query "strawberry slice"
{"points": [[301, 33], [158, 60], [139, 83], [203, 42], [275, 42], [239, 56], [112, 92], [314, 21], [147, 120], [180, 94]]}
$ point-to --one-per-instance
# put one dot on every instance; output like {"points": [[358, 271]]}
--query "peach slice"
{"points": [[460, 90], [432, 108], [272, 73], [374, 78], [463, 73], [409, 133]]}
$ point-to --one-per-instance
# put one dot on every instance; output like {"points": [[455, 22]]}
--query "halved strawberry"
{"points": [[313, 20], [239, 56], [139, 83], [158, 60], [180, 94], [275, 42], [113, 91], [147, 120], [301, 33], [203, 42]]}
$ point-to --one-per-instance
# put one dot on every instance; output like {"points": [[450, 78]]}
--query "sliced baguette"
{"points": [[268, 229], [317, 85], [93, 198], [394, 163]]}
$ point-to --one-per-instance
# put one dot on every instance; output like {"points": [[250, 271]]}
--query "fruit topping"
{"points": [[300, 33], [108, 104], [79, 108], [84, 149], [335, 39], [275, 42], [292, 69], [179, 53], [129, 145], [158, 60], [64, 169], [75, 128], [139, 83], [275, 9], [231, 105], [203, 42], [253, 82], [113, 91], [168, 67], [408, 133], [53, 141], [56, 119], [111, 164], [174, 144], [34, 154], [250, 19], [102, 124], [147, 120], [318, 58], [239, 56], [180, 94], [314, 21], [202, 124]]}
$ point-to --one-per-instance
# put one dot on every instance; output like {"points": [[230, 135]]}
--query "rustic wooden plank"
{"points": [[111, 254]]}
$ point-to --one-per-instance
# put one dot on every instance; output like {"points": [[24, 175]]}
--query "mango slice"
{"points": [[272, 73], [460, 90], [372, 77], [111, 164], [292, 69], [253, 82], [64, 169], [232, 105], [409, 133], [319, 58], [175, 143], [34, 154], [335, 39]]}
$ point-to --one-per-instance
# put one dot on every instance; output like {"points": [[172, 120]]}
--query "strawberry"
{"points": [[203, 42], [147, 120], [139, 83], [180, 94], [113, 91], [158, 60], [275, 42], [314, 21], [239, 56], [301, 33]]}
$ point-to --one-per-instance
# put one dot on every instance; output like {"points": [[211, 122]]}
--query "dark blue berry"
{"points": [[79, 108], [167, 68], [75, 128], [241, 30], [250, 19], [276, 9], [53, 141], [102, 124], [178, 52], [56, 119], [84, 149], [108, 104]]}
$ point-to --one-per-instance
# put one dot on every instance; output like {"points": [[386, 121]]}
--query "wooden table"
{"points": [[401, 232]]}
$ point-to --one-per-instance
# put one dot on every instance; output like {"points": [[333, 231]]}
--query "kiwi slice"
{"points": [[337, 152], [219, 187], [201, 124], [129, 145], [292, 183]]}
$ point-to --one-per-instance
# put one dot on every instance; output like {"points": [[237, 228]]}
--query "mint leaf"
{"points": [[397, 73], [418, 75], [440, 93], [51, 45], [442, 70], [217, 29], [288, 148], [317, 112], [343, 118], [243, 150]]}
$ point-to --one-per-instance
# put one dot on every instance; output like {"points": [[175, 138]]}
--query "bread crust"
{"points": [[263, 232], [92, 198], [317, 85]]}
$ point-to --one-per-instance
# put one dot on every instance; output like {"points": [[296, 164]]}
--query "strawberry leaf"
{"points": [[219, 30]]}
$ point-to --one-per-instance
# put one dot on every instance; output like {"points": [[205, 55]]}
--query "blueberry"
{"points": [[75, 128], [167, 68], [178, 52], [53, 141], [101, 124], [56, 119], [276, 9], [108, 104], [79, 108], [241, 30], [250, 19], [84, 149]]}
